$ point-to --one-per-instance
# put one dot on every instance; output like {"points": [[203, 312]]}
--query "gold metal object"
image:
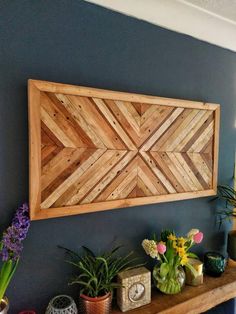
{"points": [[192, 280], [135, 290]]}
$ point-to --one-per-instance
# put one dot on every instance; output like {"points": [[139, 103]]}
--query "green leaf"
{"points": [[192, 255], [164, 269], [88, 251], [192, 269]]}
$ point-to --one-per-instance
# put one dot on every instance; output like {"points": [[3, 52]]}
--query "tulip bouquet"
{"points": [[172, 253]]}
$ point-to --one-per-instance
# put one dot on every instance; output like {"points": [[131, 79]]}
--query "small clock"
{"points": [[135, 290]]}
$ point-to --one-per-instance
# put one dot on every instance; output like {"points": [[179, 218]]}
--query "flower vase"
{"points": [[4, 306], [171, 282]]}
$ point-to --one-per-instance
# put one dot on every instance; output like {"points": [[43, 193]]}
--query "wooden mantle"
{"points": [[193, 300]]}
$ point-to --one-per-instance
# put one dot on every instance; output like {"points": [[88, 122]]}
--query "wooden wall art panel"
{"points": [[94, 149]]}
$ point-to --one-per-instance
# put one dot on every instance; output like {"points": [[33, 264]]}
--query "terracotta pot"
{"points": [[4, 306], [231, 246], [99, 305]]}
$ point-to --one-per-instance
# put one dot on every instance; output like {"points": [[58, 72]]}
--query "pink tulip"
{"points": [[197, 238], [161, 248]]}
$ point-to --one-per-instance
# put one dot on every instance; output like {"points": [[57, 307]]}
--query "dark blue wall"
{"points": [[78, 43]]}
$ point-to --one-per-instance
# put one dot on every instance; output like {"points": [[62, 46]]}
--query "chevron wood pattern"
{"points": [[93, 150]]}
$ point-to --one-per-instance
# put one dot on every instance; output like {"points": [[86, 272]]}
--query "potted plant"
{"points": [[172, 253], [10, 249], [228, 194], [96, 277]]}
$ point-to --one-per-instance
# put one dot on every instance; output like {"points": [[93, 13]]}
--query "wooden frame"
{"points": [[172, 124]]}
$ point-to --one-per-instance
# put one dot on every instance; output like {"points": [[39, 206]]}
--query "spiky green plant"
{"points": [[227, 194], [96, 274]]}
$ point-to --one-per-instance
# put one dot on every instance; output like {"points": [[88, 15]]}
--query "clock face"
{"points": [[136, 292]]}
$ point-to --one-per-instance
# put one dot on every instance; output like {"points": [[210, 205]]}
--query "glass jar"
{"points": [[172, 282]]}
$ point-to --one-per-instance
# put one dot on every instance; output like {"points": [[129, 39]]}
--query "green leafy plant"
{"points": [[227, 194], [96, 274]]}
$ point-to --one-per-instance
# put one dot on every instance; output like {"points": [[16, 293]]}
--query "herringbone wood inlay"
{"points": [[95, 150]]}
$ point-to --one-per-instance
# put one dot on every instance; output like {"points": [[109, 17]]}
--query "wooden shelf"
{"points": [[193, 300]]}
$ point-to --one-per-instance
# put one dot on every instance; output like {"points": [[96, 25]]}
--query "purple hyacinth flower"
{"points": [[15, 234]]}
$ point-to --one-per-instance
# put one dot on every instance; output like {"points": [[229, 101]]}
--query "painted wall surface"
{"points": [[79, 43]]}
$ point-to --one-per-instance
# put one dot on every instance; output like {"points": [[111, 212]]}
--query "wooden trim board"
{"points": [[93, 149]]}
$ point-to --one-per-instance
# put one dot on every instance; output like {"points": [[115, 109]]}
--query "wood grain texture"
{"points": [[192, 300], [94, 150]]}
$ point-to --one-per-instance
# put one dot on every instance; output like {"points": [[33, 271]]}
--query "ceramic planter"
{"points": [[4, 306], [99, 305], [214, 264], [231, 246]]}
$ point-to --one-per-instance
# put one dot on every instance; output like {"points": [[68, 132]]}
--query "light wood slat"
{"points": [[34, 149], [85, 186], [126, 109], [160, 163], [159, 174], [114, 123], [154, 122], [95, 120], [73, 109], [66, 173], [127, 189], [170, 131], [121, 203], [182, 171], [141, 187], [63, 124], [58, 164], [109, 177], [196, 134], [194, 167], [216, 148], [176, 171], [146, 180], [193, 131], [116, 194], [182, 131], [45, 132], [48, 152], [148, 144], [72, 179], [124, 122], [114, 95], [90, 177], [100, 152], [59, 106], [208, 160], [202, 167], [121, 177], [203, 139], [56, 130], [147, 113], [150, 177], [189, 171]]}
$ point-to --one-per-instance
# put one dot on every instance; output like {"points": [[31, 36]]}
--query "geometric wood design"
{"points": [[93, 150]]}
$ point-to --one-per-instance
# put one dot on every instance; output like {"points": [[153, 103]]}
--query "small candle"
{"points": [[191, 279]]}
